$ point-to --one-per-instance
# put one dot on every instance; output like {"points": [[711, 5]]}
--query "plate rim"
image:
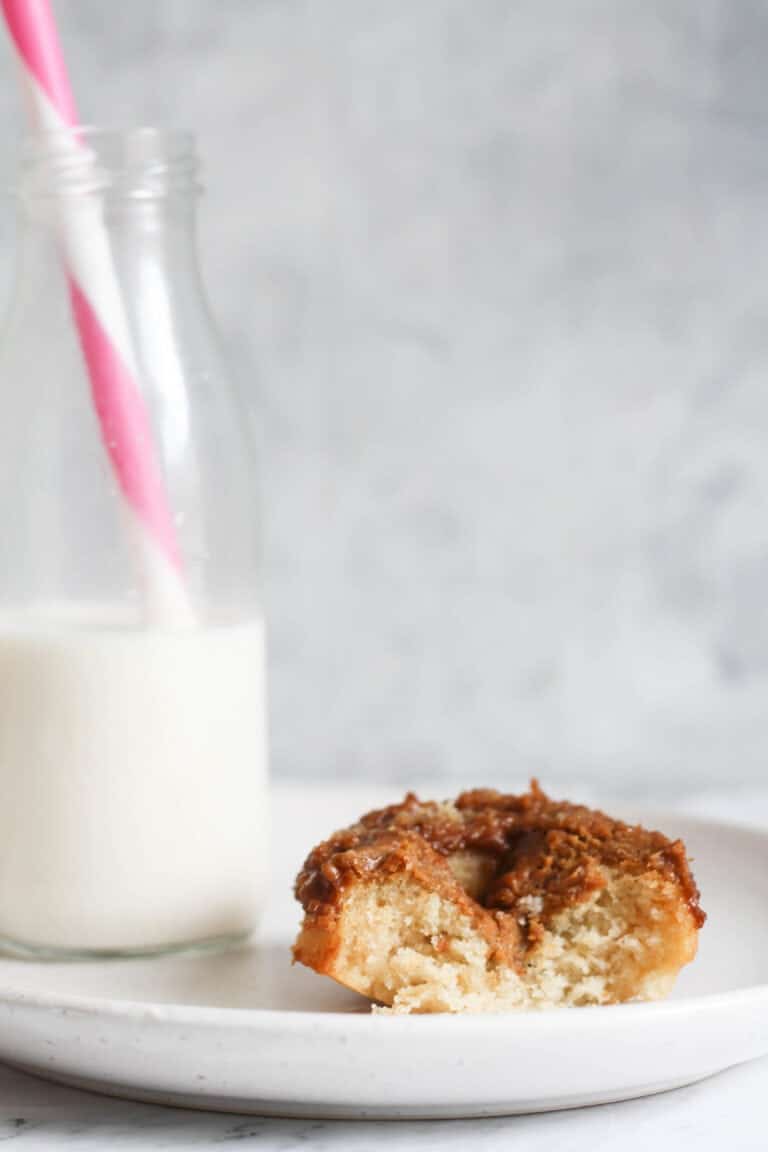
{"points": [[149, 1012]]}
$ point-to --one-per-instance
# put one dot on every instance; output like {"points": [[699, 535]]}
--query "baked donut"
{"points": [[496, 902]]}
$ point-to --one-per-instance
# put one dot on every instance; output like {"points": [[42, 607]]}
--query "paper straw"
{"points": [[101, 320]]}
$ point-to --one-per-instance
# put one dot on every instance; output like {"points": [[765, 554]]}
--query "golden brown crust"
{"points": [[543, 856]]}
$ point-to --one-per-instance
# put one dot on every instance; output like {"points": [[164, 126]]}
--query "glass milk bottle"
{"points": [[132, 696]]}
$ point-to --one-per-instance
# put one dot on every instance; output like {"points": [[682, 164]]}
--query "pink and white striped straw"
{"points": [[101, 322]]}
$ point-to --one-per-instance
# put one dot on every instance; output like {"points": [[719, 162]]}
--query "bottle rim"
{"points": [[140, 163]]}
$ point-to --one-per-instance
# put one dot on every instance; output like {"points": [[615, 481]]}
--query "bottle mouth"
{"points": [[143, 163]]}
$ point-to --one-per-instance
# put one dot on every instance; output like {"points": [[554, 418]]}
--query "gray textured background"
{"points": [[496, 276]]}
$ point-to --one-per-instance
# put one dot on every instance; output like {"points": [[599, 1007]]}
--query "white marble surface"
{"points": [[725, 1112], [495, 277]]}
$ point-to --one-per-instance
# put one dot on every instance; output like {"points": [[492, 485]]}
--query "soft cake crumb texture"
{"points": [[411, 950]]}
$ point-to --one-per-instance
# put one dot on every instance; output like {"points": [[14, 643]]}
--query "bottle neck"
{"points": [[139, 188], [121, 225], [47, 219], [150, 245]]}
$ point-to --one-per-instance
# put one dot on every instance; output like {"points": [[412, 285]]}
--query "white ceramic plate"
{"points": [[246, 1032]]}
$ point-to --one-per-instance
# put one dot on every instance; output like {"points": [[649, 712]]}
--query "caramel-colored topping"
{"points": [[544, 855]]}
